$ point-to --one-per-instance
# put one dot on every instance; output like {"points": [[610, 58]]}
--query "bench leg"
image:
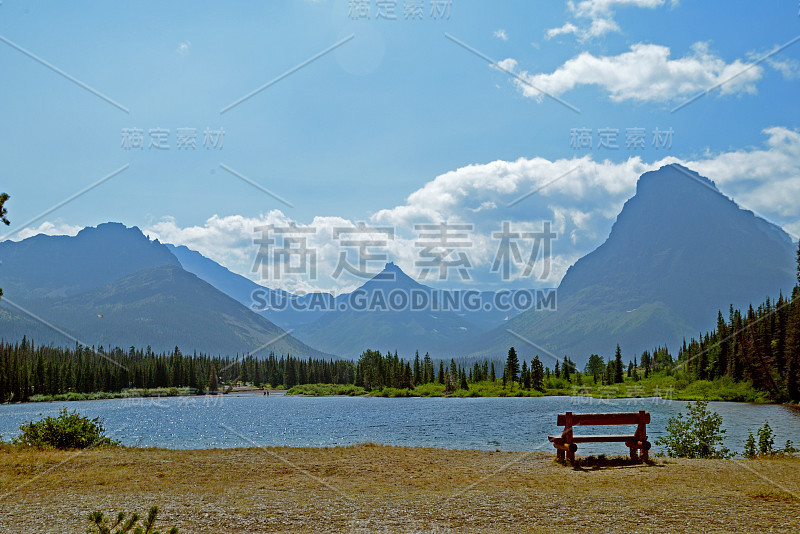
{"points": [[560, 455], [634, 454], [645, 455]]}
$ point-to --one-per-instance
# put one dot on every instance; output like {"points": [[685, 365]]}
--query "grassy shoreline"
{"points": [[369, 488], [668, 388], [665, 387], [135, 393]]}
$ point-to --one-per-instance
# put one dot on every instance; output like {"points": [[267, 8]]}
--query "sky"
{"points": [[203, 123]]}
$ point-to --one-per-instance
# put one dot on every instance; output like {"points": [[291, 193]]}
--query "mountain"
{"points": [[60, 266], [678, 252], [118, 288], [368, 318], [247, 292]]}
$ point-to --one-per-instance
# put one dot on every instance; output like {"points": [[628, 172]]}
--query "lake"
{"points": [[515, 424]]}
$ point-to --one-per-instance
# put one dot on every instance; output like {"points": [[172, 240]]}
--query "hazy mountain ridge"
{"points": [[348, 330], [111, 285], [60, 266]]}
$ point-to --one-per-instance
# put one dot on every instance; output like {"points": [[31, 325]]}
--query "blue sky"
{"points": [[399, 125]]}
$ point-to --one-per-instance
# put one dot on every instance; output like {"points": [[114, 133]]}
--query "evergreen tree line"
{"points": [[27, 370], [761, 345], [614, 370], [376, 371]]}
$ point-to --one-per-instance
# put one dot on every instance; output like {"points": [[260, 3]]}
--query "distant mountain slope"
{"points": [[241, 289], [678, 252], [160, 306], [111, 285]]}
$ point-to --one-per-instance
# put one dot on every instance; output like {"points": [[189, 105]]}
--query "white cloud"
{"points": [[183, 48], [765, 180], [566, 29], [646, 73], [600, 16], [508, 64], [232, 242], [48, 228], [501, 34], [789, 68]]}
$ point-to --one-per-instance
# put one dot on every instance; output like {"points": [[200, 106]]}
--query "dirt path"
{"points": [[371, 488]]}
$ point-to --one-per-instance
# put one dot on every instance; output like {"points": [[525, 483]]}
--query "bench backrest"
{"points": [[620, 418]]}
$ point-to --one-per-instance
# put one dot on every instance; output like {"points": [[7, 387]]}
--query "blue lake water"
{"points": [[516, 424]]}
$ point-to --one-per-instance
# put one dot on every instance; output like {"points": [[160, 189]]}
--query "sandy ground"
{"points": [[370, 488]]}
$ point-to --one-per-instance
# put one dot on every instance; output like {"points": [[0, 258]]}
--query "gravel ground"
{"points": [[369, 488]]}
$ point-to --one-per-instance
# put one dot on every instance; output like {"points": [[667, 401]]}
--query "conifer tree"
{"points": [[213, 384], [537, 374], [618, 366], [792, 387], [798, 254], [721, 362], [792, 347], [566, 368], [427, 363], [512, 365], [526, 375]]}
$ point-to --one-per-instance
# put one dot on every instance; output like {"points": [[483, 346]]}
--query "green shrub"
{"points": [[765, 446], [66, 431], [766, 439], [321, 390], [750, 446], [124, 526], [698, 435]]}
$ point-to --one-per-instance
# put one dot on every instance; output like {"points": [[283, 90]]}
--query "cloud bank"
{"points": [[580, 198]]}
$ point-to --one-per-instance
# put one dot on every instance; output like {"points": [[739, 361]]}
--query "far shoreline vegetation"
{"points": [[97, 374]]}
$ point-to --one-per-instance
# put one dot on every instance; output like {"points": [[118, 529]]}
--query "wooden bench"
{"points": [[566, 443]]}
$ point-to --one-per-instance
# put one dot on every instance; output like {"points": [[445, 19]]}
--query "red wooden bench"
{"points": [[566, 443]]}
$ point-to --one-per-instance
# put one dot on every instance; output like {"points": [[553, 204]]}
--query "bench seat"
{"points": [[613, 438]]}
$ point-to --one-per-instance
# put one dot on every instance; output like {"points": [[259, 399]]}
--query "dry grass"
{"points": [[371, 488]]}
